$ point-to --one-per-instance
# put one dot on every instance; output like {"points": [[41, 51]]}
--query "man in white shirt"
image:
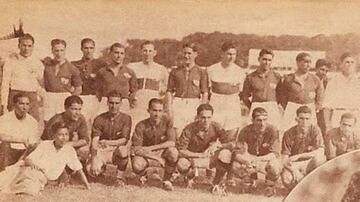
{"points": [[342, 92], [46, 162], [226, 80], [152, 80], [18, 132], [23, 73]]}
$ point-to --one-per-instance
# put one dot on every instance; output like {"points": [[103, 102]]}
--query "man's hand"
{"points": [[213, 148], [294, 158]]}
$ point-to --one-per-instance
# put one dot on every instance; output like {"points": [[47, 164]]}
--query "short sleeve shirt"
{"points": [[52, 161], [196, 140], [296, 143], [76, 127], [338, 143], [67, 77], [147, 133], [261, 87], [125, 81], [260, 144], [186, 83], [108, 127], [88, 70]]}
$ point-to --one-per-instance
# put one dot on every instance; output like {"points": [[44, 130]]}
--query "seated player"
{"points": [[110, 135], [257, 150], [154, 140], [199, 147], [76, 123], [343, 138], [302, 148], [18, 131], [46, 162]]}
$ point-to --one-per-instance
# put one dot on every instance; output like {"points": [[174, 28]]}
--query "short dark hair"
{"points": [[204, 107], [114, 93], [193, 46], [147, 43], [301, 56], [87, 40], [58, 125], [258, 111], [71, 100], [58, 41], [26, 36], [155, 101], [303, 110], [17, 96], [345, 55], [348, 115], [322, 62], [266, 52], [227, 45], [116, 45]]}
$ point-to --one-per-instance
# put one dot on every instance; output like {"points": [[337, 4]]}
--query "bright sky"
{"points": [[110, 20]]}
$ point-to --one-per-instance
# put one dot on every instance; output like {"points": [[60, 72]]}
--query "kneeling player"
{"points": [[198, 145], [153, 143], [257, 151], [302, 148], [110, 133]]}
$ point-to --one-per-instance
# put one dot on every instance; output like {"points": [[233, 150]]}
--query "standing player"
{"points": [[61, 79], [23, 73], [226, 80], [300, 88], [187, 88], [88, 68], [263, 85], [116, 77], [154, 142], [342, 92], [152, 80], [302, 148]]}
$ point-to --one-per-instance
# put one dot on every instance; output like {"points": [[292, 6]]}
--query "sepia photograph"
{"points": [[188, 100]]}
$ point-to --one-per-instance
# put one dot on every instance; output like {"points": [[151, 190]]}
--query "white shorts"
{"points": [[289, 121], [184, 111], [227, 110], [140, 111], [89, 107], [272, 108], [54, 104]]}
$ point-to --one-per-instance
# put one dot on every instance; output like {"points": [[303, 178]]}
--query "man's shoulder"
{"points": [[291, 131], [271, 128], [56, 117]]}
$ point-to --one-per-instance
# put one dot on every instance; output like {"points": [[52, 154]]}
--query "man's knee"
{"points": [[239, 169], [121, 157], [287, 178], [224, 156], [139, 164], [122, 152], [273, 170], [171, 155], [315, 162], [183, 165], [83, 153]]}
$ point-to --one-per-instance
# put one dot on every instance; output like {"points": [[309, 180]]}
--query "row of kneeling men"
{"points": [[27, 163]]}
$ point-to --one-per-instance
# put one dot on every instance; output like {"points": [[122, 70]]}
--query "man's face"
{"points": [[346, 125], [22, 106], [348, 66], [114, 104], [260, 123], [61, 137], [205, 118], [88, 50], [156, 112], [26, 47], [265, 61], [58, 51], [303, 120], [304, 64], [189, 55], [74, 111], [229, 56], [117, 55], [322, 71], [148, 53]]}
